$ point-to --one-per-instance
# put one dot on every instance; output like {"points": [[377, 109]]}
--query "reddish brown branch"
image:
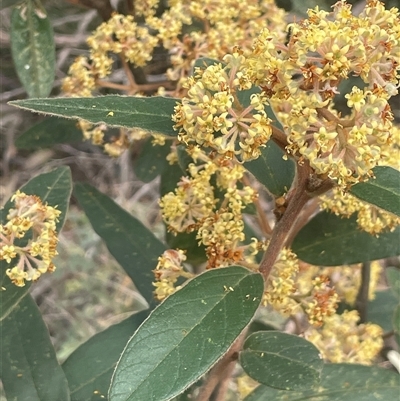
{"points": [[296, 201], [279, 138], [219, 372]]}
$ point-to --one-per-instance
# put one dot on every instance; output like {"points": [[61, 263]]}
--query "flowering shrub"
{"points": [[276, 201]]}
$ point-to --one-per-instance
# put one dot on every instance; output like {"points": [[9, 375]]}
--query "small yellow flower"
{"points": [[29, 215]]}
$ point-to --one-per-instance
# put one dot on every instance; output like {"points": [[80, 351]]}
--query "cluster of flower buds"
{"points": [[28, 239]]}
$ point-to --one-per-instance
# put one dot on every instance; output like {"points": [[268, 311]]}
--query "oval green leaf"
{"points": [[132, 244], [29, 368], [148, 113], [272, 170], [340, 382], [186, 335], [51, 131], [152, 160], [328, 240], [54, 188], [281, 360], [382, 191], [32, 48], [89, 368]]}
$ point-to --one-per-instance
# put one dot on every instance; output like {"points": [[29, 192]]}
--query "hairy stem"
{"points": [[262, 218], [222, 389], [328, 115], [279, 137], [362, 297], [297, 199], [303, 218], [221, 370]]}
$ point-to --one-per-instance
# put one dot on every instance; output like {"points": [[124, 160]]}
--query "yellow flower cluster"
{"points": [[323, 303], [167, 272], [225, 24], [30, 237], [342, 340], [346, 279], [194, 206], [302, 77], [370, 218], [119, 35], [293, 287], [211, 115], [81, 81], [281, 284]]}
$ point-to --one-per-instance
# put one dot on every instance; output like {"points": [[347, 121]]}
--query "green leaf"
{"points": [[170, 179], [340, 382], [380, 310], [55, 189], [244, 96], [10, 294], [186, 335], [329, 240], [271, 170], [134, 247], [32, 48], [48, 132], [29, 368], [393, 277], [281, 360], [89, 368], [148, 113], [152, 160], [382, 191]]}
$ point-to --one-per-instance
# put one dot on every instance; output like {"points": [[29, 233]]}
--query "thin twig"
{"points": [[224, 383], [297, 199], [112, 85], [279, 137], [363, 292], [218, 372], [328, 115], [262, 217], [303, 218], [132, 82]]}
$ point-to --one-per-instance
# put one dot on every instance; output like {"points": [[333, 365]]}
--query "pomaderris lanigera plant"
{"points": [[278, 154]]}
